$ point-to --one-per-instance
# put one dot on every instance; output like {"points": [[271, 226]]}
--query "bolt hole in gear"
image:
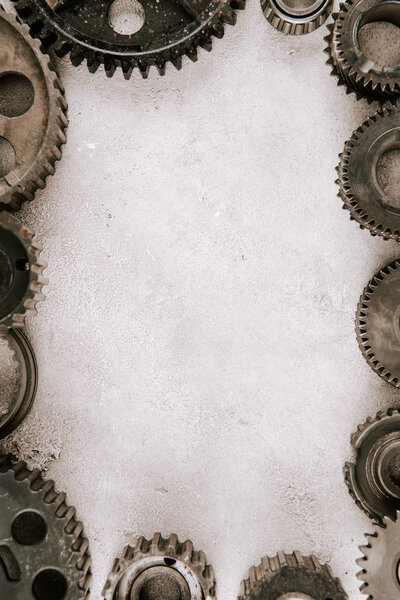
{"points": [[126, 17], [296, 17], [16, 95]]}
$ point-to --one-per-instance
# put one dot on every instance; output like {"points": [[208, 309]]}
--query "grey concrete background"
{"points": [[199, 370]]}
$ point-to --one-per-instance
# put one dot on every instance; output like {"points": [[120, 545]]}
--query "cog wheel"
{"points": [[291, 576], [380, 562], [360, 187], [32, 114], [21, 273], [160, 568], [43, 551], [170, 30], [296, 18], [378, 323], [353, 69]]}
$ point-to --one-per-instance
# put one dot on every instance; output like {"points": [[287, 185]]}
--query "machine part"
{"points": [[380, 563], [160, 568], [43, 551], [296, 17], [32, 114], [22, 397], [360, 187], [374, 479], [21, 273], [291, 576], [167, 30], [350, 65], [378, 323]]}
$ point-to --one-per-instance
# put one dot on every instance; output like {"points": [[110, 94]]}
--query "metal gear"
{"points": [[298, 18], [380, 562], [374, 479], [349, 64], [359, 186], [21, 272], [378, 323], [32, 114], [291, 576], [43, 551], [160, 568], [170, 30]]}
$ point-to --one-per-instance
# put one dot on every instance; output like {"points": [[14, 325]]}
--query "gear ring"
{"points": [[291, 576], [164, 566], [349, 64], [296, 21], [359, 186], [83, 30], [43, 551]]}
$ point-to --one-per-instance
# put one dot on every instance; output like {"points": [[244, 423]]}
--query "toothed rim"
{"points": [[50, 152], [52, 35], [294, 24]]}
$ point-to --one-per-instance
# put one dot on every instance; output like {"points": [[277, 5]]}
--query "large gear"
{"points": [[380, 562], [359, 186], [32, 114], [160, 568], [378, 323], [170, 30], [303, 17], [374, 479], [291, 576], [349, 64], [43, 551]]}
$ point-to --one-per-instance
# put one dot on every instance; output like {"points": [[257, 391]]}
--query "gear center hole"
{"points": [[126, 17], [394, 470], [388, 174], [8, 375], [379, 34], [163, 586]]}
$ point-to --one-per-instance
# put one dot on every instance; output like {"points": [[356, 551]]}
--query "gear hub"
{"points": [[296, 17]]}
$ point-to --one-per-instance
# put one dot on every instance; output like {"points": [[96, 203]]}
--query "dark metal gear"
{"points": [[299, 18], [171, 29], [21, 272], [374, 479], [32, 114], [378, 323], [291, 576], [359, 186], [380, 563], [160, 568], [349, 64], [43, 551]]}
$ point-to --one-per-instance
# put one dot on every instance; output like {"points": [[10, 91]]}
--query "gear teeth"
{"points": [[292, 24]]}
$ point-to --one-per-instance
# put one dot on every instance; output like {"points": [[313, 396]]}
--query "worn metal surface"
{"points": [[297, 18]]}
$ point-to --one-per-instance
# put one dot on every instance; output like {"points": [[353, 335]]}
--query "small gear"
{"points": [[32, 114], [359, 186], [296, 18], [291, 576], [21, 273], [160, 568], [380, 563], [43, 551], [374, 479], [378, 323], [169, 31], [349, 64]]}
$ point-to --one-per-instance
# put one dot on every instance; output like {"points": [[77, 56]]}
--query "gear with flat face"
{"points": [[128, 33], [291, 576], [380, 562], [160, 568], [32, 114], [43, 551], [296, 17], [378, 323], [364, 174], [361, 73]]}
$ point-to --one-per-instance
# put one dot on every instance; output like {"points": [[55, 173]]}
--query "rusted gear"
{"points": [[43, 550], [359, 186], [380, 563], [374, 479], [32, 114], [291, 576], [303, 17], [160, 568], [378, 323], [170, 31], [349, 64], [21, 272]]}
